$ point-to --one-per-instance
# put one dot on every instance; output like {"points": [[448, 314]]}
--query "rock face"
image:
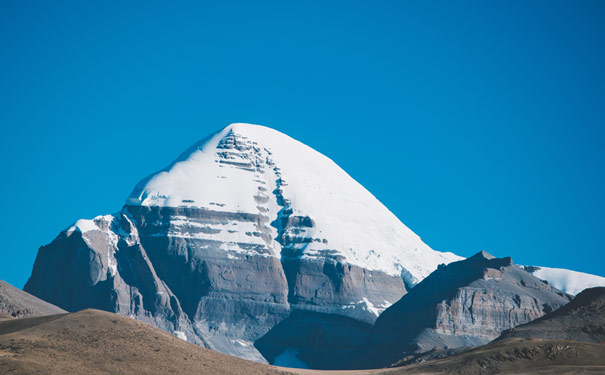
{"points": [[244, 228], [313, 340], [19, 304], [465, 303], [583, 319]]}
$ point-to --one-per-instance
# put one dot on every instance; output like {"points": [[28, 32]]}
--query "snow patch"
{"points": [[289, 358], [367, 305], [181, 335], [103, 224], [568, 281], [374, 309], [242, 343], [83, 226]]}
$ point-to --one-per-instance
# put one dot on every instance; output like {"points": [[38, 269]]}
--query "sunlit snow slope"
{"points": [[571, 282], [271, 173]]}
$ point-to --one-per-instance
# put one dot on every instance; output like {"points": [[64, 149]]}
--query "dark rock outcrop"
{"points": [[516, 357], [583, 319], [465, 303]]}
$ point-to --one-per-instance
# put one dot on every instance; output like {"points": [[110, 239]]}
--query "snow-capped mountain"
{"points": [[571, 282], [310, 206], [243, 228]]}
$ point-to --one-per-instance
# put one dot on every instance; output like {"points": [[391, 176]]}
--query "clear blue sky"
{"points": [[481, 125]]}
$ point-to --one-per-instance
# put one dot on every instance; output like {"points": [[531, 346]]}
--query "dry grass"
{"points": [[95, 342]]}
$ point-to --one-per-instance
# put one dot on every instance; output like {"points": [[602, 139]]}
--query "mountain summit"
{"points": [[245, 227], [309, 206]]}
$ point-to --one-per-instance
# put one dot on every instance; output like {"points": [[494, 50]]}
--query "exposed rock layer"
{"points": [[583, 319], [465, 303]]}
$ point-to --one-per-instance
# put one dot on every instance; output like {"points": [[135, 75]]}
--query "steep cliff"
{"points": [[583, 319], [465, 303]]}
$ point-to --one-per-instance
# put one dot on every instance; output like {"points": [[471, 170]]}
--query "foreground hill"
{"points": [[95, 342], [519, 357], [19, 304]]}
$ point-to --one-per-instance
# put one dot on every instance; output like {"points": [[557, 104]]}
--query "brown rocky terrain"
{"points": [[518, 356], [505, 357], [95, 342]]}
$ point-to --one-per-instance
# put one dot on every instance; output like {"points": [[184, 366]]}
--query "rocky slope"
{"points": [[466, 303], [19, 304], [516, 357], [244, 228], [583, 319]]}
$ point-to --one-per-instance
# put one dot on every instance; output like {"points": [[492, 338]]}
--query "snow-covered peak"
{"points": [[315, 208], [568, 281], [83, 225]]}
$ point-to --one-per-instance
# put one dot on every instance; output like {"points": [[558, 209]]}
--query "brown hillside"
{"points": [[96, 342]]}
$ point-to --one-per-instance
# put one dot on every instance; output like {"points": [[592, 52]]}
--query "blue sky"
{"points": [[479, 124]]}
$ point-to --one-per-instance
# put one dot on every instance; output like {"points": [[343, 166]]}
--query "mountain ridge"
{"points": [[466, 303]]}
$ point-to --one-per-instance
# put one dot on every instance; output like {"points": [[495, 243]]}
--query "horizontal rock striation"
{"points": [[133, 264], [583, 319], [465, 303]]}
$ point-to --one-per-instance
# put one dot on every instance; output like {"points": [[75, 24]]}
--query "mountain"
{"points": [[583, 319], [93, 342], [465, 303], [570, 282], [19, 304], [243, 229]]}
